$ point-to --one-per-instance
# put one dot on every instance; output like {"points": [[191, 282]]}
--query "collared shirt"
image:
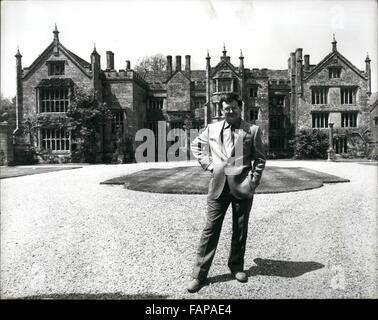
{"points": [[229, 132]]}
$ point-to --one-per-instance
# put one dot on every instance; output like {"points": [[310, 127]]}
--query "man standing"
{"points": [[236, 158]]}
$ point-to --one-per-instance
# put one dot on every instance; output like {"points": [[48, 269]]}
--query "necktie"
{"points": [[228, 140]]}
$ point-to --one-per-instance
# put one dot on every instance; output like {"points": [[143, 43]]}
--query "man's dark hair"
{"points": [[229, 97]]}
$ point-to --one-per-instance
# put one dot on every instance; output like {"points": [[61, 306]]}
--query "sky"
{"points": [[266, 31]]}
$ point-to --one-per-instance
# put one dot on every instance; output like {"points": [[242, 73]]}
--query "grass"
{"points": [[193, 180], [19, 171]]}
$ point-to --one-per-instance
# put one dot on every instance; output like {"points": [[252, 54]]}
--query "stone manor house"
{"points": [[281, 102]]}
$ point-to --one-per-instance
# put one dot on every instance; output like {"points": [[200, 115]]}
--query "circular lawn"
{"points": [[194, 180]]}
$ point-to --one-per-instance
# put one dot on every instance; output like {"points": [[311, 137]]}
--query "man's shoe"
{"points": [[195, 285], [241, 276]]}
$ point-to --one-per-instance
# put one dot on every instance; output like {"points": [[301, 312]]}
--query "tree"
{"points": [[152, 63], [8, 109], [86, 118]]}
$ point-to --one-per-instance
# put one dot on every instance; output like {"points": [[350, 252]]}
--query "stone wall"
{"points": [[6, 143], [261, 102], [31, 80], [178, 93], [334, 106]]}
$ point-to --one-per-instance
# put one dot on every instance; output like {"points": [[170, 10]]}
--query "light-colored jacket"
{"points": [[243, 171]]}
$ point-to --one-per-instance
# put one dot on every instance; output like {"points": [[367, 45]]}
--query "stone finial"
{"points": [[56, 33], [367, 58], [94, 49], [208, 55], [334, 43], [18, 54], [224, 50], [241, 54]]}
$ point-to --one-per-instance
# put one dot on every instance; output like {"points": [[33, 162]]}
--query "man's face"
{"points": [[231, 111]]}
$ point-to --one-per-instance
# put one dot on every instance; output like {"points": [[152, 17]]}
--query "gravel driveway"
{"points": [[63, 235]]}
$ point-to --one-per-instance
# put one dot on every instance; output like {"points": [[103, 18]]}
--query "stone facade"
{"points": [[281, 102], [333, 91]]}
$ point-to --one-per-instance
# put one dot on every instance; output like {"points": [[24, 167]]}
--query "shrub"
{"points": [[2, 158], [310, 145]]}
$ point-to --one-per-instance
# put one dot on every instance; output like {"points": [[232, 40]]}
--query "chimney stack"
{"points": [[306, 62], [169, 65], [128, 65], [178, 63], [109, 60], [187, 63], [299, 71]]}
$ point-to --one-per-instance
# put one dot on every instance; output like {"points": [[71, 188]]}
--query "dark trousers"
{"points": [[216, 210]]}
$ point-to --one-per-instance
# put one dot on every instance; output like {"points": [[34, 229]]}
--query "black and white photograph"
{"points": [[189, 150]]}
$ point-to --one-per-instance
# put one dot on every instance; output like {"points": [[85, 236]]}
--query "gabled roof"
{"points": [[327, 59], [79, 62], [185, 74], [220, 64], [82, 62]]}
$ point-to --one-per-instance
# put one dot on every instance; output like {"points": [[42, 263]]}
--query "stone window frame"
{"points": [[56, 67], [340, 143], [117, 121], [44, 104], [319, 95], [348, 95], [155, 104], [51, 141], [349, 119], [253, 91], [232, 87], [320, 119], [334, 72]]}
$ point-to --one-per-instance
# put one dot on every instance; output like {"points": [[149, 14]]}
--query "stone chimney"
{"points": [[299, 70], [178, 63], [187, 63], [169, 65], [306, 62], [109, 60], [128, 67]]}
